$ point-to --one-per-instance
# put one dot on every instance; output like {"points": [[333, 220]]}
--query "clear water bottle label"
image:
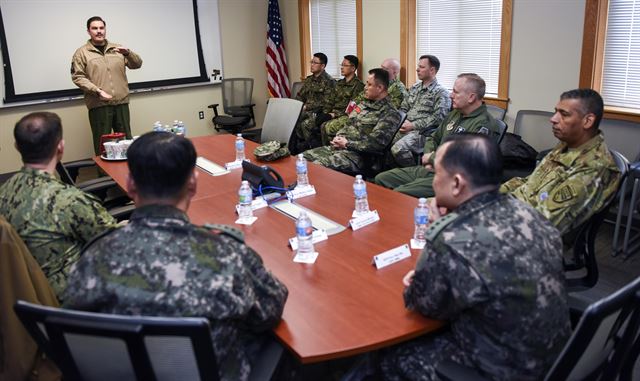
{"points": [[304, 231], [245, 198], [421, 220], [301, 167], [360, 192], [239, 144]]}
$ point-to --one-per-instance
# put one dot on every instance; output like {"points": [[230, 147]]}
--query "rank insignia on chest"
{"points": [[451, 125]]}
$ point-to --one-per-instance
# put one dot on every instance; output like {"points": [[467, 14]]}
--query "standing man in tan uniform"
{"points": [[99, 69]]}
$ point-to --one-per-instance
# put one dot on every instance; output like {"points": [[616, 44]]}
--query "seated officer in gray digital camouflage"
{"points": [[162, 265]]}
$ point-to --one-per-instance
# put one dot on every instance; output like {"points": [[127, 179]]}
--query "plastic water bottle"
{"points": [[182, 130], [245, 195], [421, 219], [304, 232], [174, 127], [301, 170], [157, 126], [239, 148], [360, 192]]}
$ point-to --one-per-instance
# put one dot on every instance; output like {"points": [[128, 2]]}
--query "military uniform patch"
{"points": [[564, 194], [451, 125], [460, 130], [483, 130]]}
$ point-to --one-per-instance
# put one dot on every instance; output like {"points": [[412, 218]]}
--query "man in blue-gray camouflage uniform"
{"points": [[492, 267], [162, 265]]}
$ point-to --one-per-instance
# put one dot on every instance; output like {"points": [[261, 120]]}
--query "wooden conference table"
{"points": [[341, 305]]}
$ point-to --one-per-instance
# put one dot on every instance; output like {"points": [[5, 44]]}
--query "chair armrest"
{"points": [[215, 108], [121, 213], [451, 371], [97, 185], [73, 167]]}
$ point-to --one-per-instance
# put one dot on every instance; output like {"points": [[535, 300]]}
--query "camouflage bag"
{"points": [[270, 151]]}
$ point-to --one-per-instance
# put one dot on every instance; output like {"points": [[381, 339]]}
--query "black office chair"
{"points": [[237, 106], [599, 347], [91, 346], [583, 258], [496, 112], [502, 129], [376, 161], [295, 89]]}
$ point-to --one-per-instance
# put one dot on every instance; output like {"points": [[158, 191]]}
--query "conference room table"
{"points": [[341, 305]]}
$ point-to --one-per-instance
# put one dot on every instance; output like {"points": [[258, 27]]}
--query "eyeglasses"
{"points": [[312, 62]]}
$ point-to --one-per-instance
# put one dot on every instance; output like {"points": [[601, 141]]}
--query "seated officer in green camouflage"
{"points": [[315, 93], [160, 264], [491, 267], [371, 126], [426, 106], [578, 177], [345, 90], [53, 219], [396, 90], [469, 115]]}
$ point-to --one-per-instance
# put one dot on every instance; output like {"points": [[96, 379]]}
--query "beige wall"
{"points": [[545, 60]]}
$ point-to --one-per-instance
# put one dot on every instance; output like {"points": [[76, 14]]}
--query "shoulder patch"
{"points": [[564, 194], [483, 130], [226, 230], [436, 227]]}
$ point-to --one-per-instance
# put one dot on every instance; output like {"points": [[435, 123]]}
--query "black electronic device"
{"points": [[263, 179]]}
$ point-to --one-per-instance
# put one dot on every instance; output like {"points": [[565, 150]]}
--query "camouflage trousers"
{"points": [[406, 148], [306, 126], [340, 160], [329, 129], [418, 359]]}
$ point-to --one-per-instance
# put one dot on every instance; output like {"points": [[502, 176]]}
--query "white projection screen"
{"points": [[178, 40]]}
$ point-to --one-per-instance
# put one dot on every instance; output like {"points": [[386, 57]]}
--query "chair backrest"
{"points": [[535, 129], [375, 161], [237, 92], [602, 339], [496, 112], [65, 176], [584, 255], [280, 119], [502, 126], [295, 88], [92, 346]]}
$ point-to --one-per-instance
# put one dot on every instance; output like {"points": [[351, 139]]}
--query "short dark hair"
{"points": [[380, 76], [433, 61], [590, 101], [37, 136], [353, 60], [477, 156], [160, 164], [478, 86], [322, 57], [95, 18]]}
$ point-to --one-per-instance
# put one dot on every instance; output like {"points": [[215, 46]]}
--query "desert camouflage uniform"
{"points": [[426, 107], [493, 269], [337, 103], [569, 185], [53, 219], [396, 91], [315, 93], [416, 181], [162, 265], [371, 127]]}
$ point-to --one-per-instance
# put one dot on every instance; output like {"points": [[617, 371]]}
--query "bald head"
{"points": [[392, 66]]}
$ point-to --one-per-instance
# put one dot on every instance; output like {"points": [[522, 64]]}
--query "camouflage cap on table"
{"points": [[270, 151]]}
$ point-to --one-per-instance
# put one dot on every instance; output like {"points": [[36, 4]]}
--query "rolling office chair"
{"points": [[533, 126], [237, 106], [598, 349], [279, 121], [496, 112], [295, 89], [503, 129]]}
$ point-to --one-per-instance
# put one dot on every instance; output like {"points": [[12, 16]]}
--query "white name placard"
{"points": [[234, 164], [364, 219], [256, 203], [246, 220], [317, 236], [304, 191], [306, 258], [391, 256], [417, 245]]}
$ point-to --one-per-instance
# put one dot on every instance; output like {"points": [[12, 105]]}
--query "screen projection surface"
{"points": [[39, 38]]}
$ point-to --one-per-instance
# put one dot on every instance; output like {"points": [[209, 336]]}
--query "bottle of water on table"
{"points": [[421, 219], [245, 195], [301, 170], [304, 232], [360, 193], [239, 148]]}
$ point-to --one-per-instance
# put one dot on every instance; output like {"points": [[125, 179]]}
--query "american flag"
{"points": [[277, 72]]}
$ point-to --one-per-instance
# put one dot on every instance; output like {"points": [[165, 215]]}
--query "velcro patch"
{"points": [[564, 194]]}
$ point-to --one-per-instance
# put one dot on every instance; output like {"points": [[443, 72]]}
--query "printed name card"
{"points": [[364, 219], [246, 220], [234, 165], [317, 236], [302, 191], [391, 256], [210, 167], [257, 203]]}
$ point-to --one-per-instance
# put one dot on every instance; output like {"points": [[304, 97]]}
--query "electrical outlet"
{"points": [[201, 114]]}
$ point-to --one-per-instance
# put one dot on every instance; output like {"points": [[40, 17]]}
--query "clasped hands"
{"points": [[339, 142]]}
